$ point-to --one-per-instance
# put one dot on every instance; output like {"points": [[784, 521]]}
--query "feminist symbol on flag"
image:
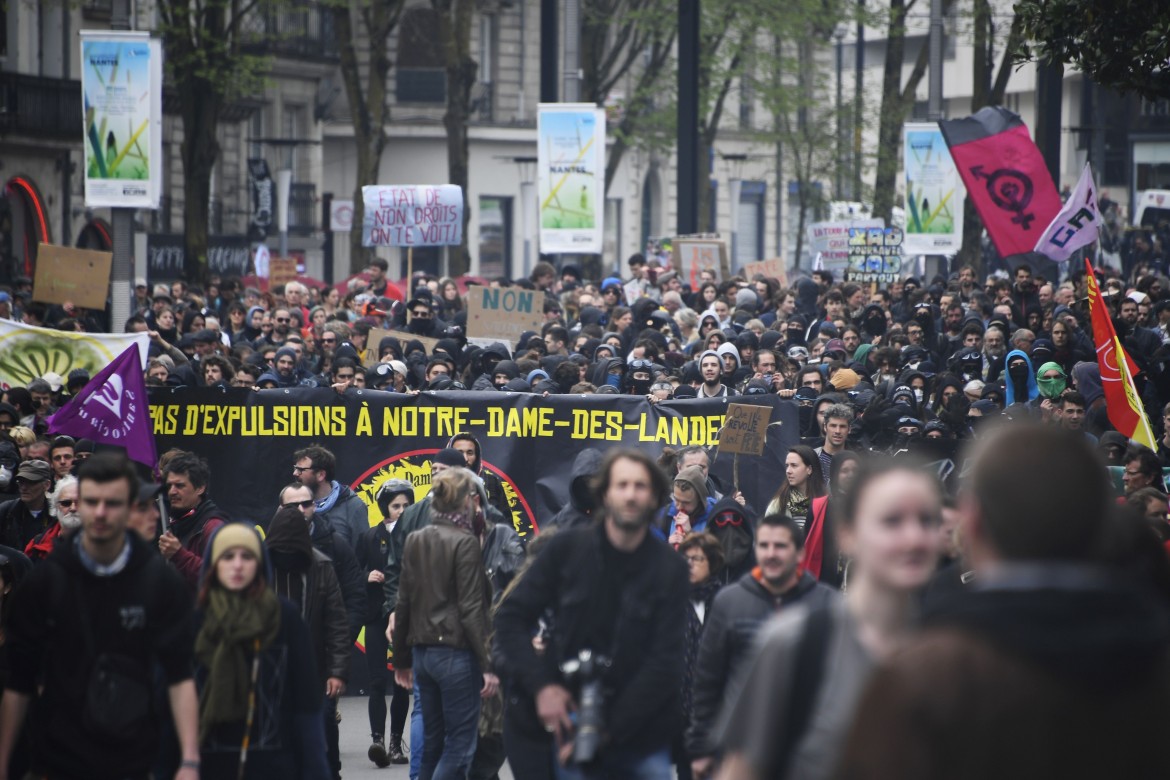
{"points": [[1011, 190]]}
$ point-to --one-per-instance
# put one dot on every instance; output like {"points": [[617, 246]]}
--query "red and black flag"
{"points": [[1005, 177]]}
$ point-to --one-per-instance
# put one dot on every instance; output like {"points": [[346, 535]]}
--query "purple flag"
{"points": [[112, 409]]}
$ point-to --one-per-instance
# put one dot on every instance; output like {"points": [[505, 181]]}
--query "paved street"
{"points": [[355, 740]]}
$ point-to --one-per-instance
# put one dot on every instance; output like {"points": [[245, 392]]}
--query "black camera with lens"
{"points": [[587, 672]]}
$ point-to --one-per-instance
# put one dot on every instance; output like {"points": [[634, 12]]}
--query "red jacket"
{"points": [[193, 529]]}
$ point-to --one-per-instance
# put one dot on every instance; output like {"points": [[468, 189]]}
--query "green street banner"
{"points": [[121, 92], [28, 352], [571, 177], [934, 193], [529, 441]]}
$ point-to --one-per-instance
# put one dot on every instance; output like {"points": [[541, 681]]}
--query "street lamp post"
{"points": [[838, 180]]}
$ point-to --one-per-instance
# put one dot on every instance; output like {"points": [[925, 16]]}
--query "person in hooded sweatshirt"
{"points": [[689, 509], [493, 485], [304, 576], [1020, 385], [579, 509], [1056, 663]]}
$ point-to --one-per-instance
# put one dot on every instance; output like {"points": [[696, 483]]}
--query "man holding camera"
{"points": [[606, 684]]}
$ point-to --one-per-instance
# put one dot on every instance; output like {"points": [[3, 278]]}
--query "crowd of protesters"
{"points": [[1001, 611]]}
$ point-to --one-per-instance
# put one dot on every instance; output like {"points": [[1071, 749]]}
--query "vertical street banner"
{"points": [[412, 215], [27, 352], [1078, 223], [121, 93], [1005, 176], [934, 193], [571, 177]]}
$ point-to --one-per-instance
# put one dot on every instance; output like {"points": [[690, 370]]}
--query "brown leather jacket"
{"points": [[444, 597]]}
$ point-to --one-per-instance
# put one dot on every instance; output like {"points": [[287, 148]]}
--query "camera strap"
{"points": [[808, 671]]}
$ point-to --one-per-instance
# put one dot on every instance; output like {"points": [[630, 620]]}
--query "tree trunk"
{"points": [[367, 106], [200, 149], [892, 116], [455, 28]]}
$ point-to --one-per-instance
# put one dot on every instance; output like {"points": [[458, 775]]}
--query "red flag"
{"points": [[1005, 177], [1117, 371]]}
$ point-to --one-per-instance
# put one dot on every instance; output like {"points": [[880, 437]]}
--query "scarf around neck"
{"points": [[232, 624]]}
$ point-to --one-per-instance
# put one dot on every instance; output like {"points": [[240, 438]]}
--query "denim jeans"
{"points": [[621, 765], [449, 682], [416, 733]]}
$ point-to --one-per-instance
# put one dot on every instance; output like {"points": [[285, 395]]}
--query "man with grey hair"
{"points": [[838, 418]]}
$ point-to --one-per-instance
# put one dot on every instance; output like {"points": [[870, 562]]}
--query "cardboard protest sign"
{"points": [[745, 429], [281, 270], [875, 255], [503, 313], [77, 276], [633, 291], [377, 334], [695, 255], [412, 215], [831, 241], [773, 269]]}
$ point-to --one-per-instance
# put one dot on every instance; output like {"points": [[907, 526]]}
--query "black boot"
{"points": [[377, 752], [397, 750]]}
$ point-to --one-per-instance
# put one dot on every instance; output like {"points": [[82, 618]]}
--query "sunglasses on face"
{"points": [[421, 314], [302, 504], [283, 319]]}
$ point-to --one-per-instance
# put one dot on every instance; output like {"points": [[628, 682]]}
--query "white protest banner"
{"points": [[1077, 224], [831, 241], [27, 352], [503, 313], [934, 193], [571, 177], [121, 94], [412, 215]]}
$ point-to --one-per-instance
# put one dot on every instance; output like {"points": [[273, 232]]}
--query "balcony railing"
{"points": [[297, 30], [44, 107]]}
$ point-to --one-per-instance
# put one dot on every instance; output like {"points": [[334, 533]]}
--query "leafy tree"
{"points": [[366, 93], [1121, 44], [455, 17], [209, 66]]}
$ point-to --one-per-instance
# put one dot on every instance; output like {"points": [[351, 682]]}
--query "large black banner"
{"points": [[529, 441]]}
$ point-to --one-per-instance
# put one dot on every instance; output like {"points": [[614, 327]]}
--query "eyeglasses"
{"points": [[345, 377], [328, 341], [421, 314], [302, 504], [299, 469], [1129, 473], [70, 502], [695, 560]]}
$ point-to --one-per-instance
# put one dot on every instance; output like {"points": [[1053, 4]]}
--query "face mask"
{"points": [[1052, 388], [1018, 372], [640, 386], [613, 380], [918, 395]]}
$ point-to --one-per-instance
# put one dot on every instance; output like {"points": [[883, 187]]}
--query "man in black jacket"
{"points": [[102, 601], [579, 510], [22, 519], [615, 590], [345, 565], [735, 618]]}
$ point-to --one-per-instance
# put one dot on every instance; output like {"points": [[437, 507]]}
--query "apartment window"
{"points": [[489, 45], [293, 130], [749, 228], [255, 133], [495, 236], [420, 75]]}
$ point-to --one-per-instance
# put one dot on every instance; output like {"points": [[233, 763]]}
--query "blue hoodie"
{"points": [[1009, 389]]}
